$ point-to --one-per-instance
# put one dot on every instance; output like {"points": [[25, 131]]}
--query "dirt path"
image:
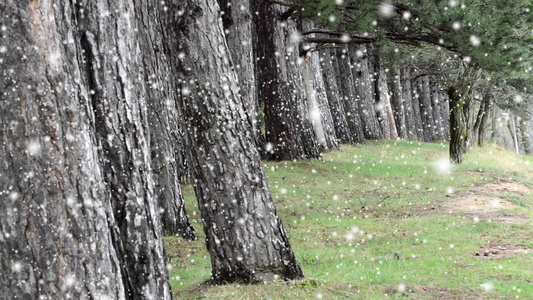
{"points": [[487, 202]]}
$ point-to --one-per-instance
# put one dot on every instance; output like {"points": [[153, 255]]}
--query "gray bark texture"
{"points": [[359, 59], [426, 108], [397, 103], [383, 103], [319, 89], [83, 219], [526, 139], [238, 26], [328, 61], [289, 131], [411, 93], [166, 140], [245, 237], [347, 88]]}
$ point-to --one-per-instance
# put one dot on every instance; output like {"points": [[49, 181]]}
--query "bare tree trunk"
{"points": [[383, 107], [426, 109], [239, 28], [525, 136], [319, 90], [244, 236], [359, 59], [166, 140], [289, 131], [397, 103], [512, 125], [336, 105], [460, 113], [82, 220], [412, 119], [347, 87]]}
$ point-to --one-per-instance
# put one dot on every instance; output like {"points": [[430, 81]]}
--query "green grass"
{"points": [[367, 222]]}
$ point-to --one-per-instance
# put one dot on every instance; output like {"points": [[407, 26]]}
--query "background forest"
{"points": [[365, 116]]}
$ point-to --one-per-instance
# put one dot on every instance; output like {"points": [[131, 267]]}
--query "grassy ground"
{"points": [[390, 219]]}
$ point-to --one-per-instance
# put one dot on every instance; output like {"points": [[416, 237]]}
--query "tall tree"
{"points": [[82, 220], [237, 19], [329, 71], [289, 131], [245, 237], [348, 93], [397, 103]]}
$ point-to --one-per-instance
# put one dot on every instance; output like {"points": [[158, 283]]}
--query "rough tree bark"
{"points": [[319, 90], [289, 132], [481, 119], [166, 140], [460, 96], [383, 103], [336, 105], [244, 236], [397, 103], [82, 221], [426, 108], [411, 111], [364, 91], [347, 88], [238, 26], [526, 140]]}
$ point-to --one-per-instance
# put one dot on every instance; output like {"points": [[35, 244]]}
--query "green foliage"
{"points": [[494, 34]]}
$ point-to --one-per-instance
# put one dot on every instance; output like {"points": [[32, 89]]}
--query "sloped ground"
{"points": [[381, 221]]}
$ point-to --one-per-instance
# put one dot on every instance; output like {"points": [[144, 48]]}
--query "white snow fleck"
{"points": [[475, 40], [345, 38], [33, 147], [385, 10], [295, 37], [13, 196], [16, 267], [401, 288], [456, 25], [443, 166], [3, 49], [487, 287]]}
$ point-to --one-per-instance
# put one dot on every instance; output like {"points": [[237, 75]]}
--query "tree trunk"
{"points": [[426, 109], [82, 220], [383, 103], [411, 116], [364, 91], [319, 90], [239, 28], [166, 140], [481, 119], [289, 131], [397, 103], [512, 128], [336, 105], [460, 116], [347, 88], [244, 236], [525, 136]]}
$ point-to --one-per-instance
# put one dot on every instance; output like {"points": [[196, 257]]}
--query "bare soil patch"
{"points": [[486, 203], [502, 250]]}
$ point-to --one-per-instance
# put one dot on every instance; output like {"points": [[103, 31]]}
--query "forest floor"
{"points": [[389, 219]]}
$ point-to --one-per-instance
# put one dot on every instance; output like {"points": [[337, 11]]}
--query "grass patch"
{"points": [[369, 222]]}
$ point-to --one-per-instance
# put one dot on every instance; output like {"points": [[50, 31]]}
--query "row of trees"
{"points": [[106, 106]]}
